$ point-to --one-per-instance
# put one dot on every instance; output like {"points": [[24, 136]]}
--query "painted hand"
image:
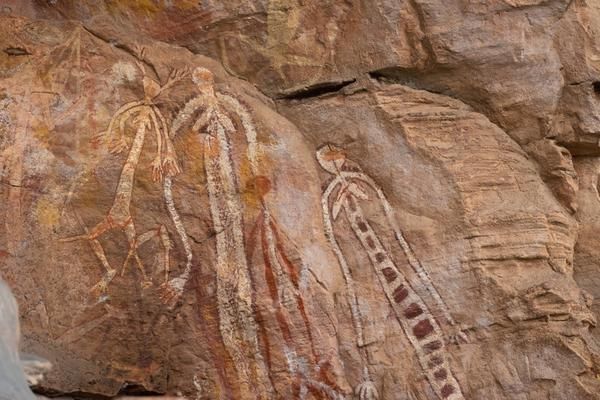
{"points": [[99, 138], [172, 290], [117, 145], [366, 391], [157, 169], [170, 165]]}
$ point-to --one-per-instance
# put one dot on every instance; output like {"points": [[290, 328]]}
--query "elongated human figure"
{"points": [[209, 117], [421, 328], [146, 117], [283, 276]]}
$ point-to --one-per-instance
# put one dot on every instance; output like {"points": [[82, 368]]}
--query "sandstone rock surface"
{"points": [[304, 199]]}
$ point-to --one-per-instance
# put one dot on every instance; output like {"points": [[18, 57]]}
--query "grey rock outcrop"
{"points": [[13, 382]]}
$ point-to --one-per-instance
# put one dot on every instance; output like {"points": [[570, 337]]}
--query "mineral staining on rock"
{"points": [[254, 278]]}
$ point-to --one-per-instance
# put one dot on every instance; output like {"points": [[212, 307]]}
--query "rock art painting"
{"points": [[281, 272], [211, 115], [141, 128], [304, 200], [237, 325], [146, 117], [345, 192]]}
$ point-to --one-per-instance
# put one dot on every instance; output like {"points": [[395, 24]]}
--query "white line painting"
{"points": [[344, 193], [146, 117], [209, 114]]}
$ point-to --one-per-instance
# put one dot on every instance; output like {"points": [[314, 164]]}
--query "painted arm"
{"points": [[330, 235], [174, 288], [108, 134], [184, 115], [157, 165], [202, 120], [117, 145], [169, 160], [249, 130]]}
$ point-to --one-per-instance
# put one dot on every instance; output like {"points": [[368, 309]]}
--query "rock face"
{"points": [[140, 195], [507, 260], [349, 200]]}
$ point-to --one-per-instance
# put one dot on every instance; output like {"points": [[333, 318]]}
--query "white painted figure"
{"points": [[344, 193], [146, 116], [234, 292]]}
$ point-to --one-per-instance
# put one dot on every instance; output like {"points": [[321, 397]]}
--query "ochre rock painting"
{"points": [[159, 216], [345, 192], [145, 116], [303, 215]]}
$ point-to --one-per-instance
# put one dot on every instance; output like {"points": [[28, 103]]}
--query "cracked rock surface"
{"points": [[287, 199]]}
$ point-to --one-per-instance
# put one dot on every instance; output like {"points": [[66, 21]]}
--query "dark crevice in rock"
{"points": [[410, 77], [316, 90], [582, 144], [122, 47], [76, 395], [581, 148], [136, 389], [17, 51], [596, 86], [129, 389], [99, 36]]}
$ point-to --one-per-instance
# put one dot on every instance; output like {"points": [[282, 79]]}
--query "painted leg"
{"points": [[132, 241], [166, 244], [96, 232], [171, 290], [162, 233], [143, 238], [100, 288]]}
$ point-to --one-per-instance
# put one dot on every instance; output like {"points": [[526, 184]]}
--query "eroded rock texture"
{"points": [[313, 200]]}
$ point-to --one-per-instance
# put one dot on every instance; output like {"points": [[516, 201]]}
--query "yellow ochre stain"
{"points": [[253, 188], [47, 213], [41, 132], [186, 4], [248, 192], [139, 6]]}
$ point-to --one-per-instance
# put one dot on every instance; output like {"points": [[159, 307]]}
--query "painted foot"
{"points": [[366, 391], [146, 284], [172, 290], [458, 337], [99, 289]]}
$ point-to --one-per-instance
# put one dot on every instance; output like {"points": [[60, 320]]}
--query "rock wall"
{"points": [[313, 200]]}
